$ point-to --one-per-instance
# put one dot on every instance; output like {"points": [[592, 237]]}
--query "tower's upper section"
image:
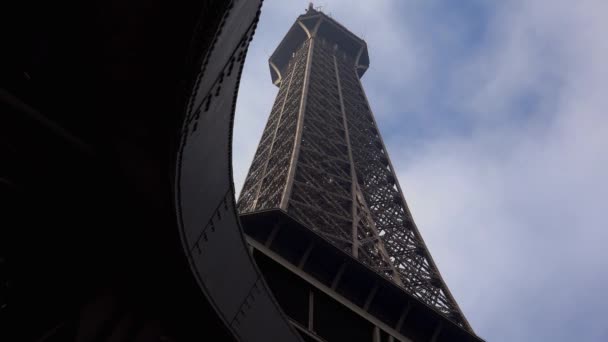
{"points": [[315, 23]]}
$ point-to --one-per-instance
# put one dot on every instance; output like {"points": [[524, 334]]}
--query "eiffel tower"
{"points": [[322, 162]]}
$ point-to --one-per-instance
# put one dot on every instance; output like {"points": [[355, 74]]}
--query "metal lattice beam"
{"points": [[321, 159]]}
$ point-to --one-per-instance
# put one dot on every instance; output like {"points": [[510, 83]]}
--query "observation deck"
{"points": [[315, 24]]}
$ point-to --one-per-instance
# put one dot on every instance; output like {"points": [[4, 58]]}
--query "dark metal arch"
{"points": [[210, 229], [93, 97]]}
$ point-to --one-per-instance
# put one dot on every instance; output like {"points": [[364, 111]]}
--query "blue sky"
{"points": [[495, 116]]}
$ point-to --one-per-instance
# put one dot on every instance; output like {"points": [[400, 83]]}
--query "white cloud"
{"points": [[514, 211]]}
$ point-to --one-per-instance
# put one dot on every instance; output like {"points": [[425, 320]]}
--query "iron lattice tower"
{"points": [[322, 160]]}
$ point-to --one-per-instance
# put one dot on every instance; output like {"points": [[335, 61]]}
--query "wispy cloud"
{"points": [[495, 116]]}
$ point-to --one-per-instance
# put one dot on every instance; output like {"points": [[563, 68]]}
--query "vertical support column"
{"points": [[370, 297], [299, 128], [356, 190], [336, 280], [274, 136], [353, 175], [376, 335], [448, 294], [403, 316], [311, 310], [300, 125], [273, 234], [306, 254]]}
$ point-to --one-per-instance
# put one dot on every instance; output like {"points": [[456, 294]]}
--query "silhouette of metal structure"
{"points": [[116, 192], [119, 220], [321, 160]]}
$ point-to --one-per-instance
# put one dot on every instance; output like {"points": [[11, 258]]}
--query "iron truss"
{"points": [[322, 159]]}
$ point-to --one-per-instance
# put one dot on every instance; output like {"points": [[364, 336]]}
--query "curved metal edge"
{"points": [[275, 74], [465, 322], [204, 191]]}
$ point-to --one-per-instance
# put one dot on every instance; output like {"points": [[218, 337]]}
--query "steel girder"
{"points": [[322, 160]]}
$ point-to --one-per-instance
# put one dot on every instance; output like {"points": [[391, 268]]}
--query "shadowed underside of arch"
{"points": [[118, 220]]}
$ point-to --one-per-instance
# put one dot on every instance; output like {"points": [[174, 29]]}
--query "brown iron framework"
{"points": [[322, 160]]}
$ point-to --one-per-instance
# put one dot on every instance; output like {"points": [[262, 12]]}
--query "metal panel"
{"points": [[211, 234]]}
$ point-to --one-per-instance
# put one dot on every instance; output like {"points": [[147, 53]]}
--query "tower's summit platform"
{"points": [[315, 23]]}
